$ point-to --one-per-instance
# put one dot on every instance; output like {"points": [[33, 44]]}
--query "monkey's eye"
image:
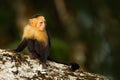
{"points": [[41, 22], [45, 22]]}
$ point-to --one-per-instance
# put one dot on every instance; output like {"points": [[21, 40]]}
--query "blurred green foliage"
{"points": [[60, 50]]}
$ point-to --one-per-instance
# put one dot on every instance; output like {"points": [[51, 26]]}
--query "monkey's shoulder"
{"points": [[28, 32]]}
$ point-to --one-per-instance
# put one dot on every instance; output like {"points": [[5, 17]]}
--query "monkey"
{"points": [[37, 40]]}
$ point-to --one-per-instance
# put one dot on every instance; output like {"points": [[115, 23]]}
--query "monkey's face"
{"points": [[41, 23], [38, 22]]}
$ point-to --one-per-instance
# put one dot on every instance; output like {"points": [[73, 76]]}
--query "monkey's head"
{"points": [[38, 22]]}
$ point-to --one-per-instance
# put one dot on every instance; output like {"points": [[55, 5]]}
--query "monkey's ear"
{"points": [[32, 22]]}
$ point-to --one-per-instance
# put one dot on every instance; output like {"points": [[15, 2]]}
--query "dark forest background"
{"points": [[82, 31]]}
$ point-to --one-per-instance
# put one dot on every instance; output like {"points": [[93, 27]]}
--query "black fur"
{"points": [[36, 15], [36, 48], [22, 45], [73, 66]]}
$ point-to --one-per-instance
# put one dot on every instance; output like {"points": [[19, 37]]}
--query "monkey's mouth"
{"points": [[42, 27]]}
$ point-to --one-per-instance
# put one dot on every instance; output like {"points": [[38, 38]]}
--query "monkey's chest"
{"points": [[34, 44], [41, 37]]}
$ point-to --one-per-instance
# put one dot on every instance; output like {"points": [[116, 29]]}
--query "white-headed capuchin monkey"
{"points": [[36, 39]]}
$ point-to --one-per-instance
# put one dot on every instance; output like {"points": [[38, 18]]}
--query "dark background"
{"points": [[82, 31]]}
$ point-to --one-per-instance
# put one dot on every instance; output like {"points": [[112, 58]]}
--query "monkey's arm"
{"points": [[22, 45]]}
